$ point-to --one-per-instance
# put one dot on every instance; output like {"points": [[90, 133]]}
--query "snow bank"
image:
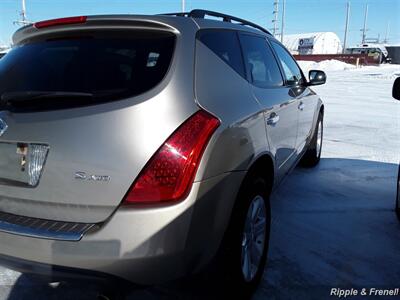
{"points": [[325, 65]]}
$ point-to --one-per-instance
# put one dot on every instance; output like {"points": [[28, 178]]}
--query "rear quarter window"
{"points": [[225, 44], [260, 62]]}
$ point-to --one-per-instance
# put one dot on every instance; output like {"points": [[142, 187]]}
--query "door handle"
{"points": [[273, 119], [301, 106]]}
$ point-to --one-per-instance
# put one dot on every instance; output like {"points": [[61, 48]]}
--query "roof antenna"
{"points": [[24, 21]]}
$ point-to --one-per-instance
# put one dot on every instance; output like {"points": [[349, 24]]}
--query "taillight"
{"points": [[62, 21], [169, 174]]}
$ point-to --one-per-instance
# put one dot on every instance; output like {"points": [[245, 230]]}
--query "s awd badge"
{"points": [[89, 177]]}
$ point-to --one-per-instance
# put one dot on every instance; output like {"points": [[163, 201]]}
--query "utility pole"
{"points": [[387, 33], [23, 12], [283, 19], [364, 30], [275, 20], [346, 28], [183, 5], [24, 21]]}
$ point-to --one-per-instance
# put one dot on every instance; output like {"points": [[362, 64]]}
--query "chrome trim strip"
{"points": [[41, 228]]}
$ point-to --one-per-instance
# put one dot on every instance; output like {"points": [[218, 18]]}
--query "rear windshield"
{"points": [[108, 67]]}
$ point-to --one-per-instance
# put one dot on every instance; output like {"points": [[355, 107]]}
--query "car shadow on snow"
{"points": [[332, 226]]}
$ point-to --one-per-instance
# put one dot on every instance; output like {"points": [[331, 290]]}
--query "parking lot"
{"points": [[333, 226]]}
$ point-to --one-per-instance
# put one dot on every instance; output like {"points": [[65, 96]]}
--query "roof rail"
{"points": [[178, 14], [200, 13]]}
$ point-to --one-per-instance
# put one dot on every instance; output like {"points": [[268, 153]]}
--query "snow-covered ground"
{"points": [[362, 120], [334, 225]]}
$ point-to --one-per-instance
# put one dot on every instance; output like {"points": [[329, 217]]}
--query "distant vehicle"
{"points": [[394, 53], [396, 95], [375, 50], [143, 146]]}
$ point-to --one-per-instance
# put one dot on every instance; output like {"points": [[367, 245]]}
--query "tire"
{"points": [[313, 154], [398, 196], [254, 194]]}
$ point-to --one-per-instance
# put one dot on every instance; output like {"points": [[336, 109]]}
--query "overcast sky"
{"points": [[301, 15]]}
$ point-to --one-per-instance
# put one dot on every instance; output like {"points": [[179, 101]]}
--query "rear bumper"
{"points": [[142, 245]]}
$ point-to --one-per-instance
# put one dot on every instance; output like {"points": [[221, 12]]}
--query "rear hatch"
{"points": [[70, 143]]}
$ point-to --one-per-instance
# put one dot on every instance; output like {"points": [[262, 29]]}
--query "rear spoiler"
{"points": [[83, 23]]}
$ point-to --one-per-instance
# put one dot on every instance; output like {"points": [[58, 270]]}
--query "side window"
{"points": [[260, 62], [292, 72], [225, 44]]}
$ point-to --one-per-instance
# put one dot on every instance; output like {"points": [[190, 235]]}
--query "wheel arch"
{"points": [[318, 111], [322, 109], [264, 167]]}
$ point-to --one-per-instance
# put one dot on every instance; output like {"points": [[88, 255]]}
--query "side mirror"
{"points": [[316, 77], [396, 89]]}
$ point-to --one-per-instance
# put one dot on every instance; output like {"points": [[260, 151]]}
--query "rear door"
{"points": [[279, 105], [306, 99]]}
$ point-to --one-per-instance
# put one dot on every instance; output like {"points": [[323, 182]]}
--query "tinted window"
{"points": [[109, 67], [225, 44], [291, 71], [260, 62]]}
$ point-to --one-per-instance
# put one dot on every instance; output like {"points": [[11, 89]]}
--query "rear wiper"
{"points": [[29, 100]]}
